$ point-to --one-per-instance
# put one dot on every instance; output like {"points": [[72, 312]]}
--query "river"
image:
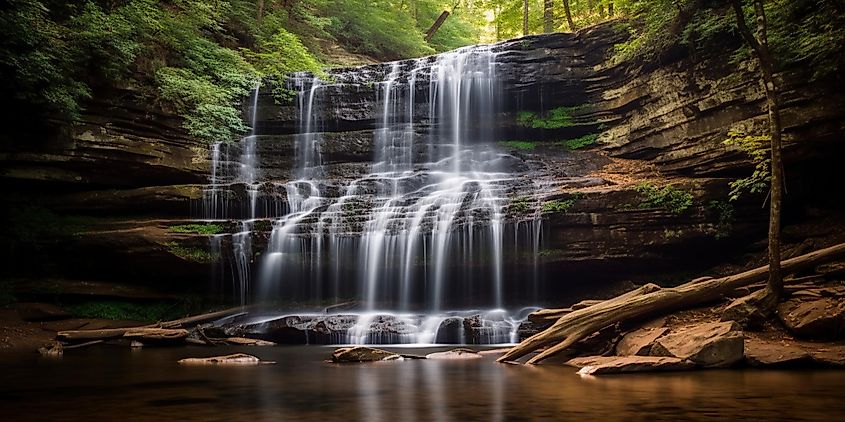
{"points": [[110, 383]]}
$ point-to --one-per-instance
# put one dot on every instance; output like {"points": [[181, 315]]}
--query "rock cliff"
{"points": [[132, 172]]}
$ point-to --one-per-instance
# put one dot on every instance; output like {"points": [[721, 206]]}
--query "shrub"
{"points": [[670, 198]]}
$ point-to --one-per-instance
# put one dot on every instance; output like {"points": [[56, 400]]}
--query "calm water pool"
{"points": [[117, 384]]}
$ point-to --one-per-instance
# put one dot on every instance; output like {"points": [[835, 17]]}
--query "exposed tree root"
{"points": [[649, 300]]}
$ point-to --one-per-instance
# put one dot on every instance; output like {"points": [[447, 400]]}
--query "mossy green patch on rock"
{"points": [[557, 206], [520, 145], [192, 253], [579, 142], [556, 118], [208, 229]]}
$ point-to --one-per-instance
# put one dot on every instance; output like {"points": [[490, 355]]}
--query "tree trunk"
{"points": [[260, 15], [610, 8], [568, 13], [648, 301], [436, 25], [524, 17], [760, 46], [548, 16]]}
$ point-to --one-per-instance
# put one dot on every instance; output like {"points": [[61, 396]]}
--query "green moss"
{"points": [[263, 225], [579, 142], [556, 118], [550, 252], [558, 206], [521, 205], [670, 198], [192, 253], [520, 145], [208, 229]]}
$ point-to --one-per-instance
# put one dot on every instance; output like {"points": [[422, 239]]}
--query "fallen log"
{"points": [[156, 335], [648, 301], [111, 333]]}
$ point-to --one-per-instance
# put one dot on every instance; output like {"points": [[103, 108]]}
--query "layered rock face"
{"points": [[135, 174]]}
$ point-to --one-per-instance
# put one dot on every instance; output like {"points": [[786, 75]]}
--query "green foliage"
{"points": [[757, 148], [38, 63], [669, 198], [279, 56], [555, 118], [520, 145], [725, 212], [799, 31], [580, 142], [373, 27], [557, 206], [129, 311], [208, 229], [192, 253]]}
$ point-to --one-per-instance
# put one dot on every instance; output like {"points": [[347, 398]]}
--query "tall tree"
{"points": [[524, 17], [568, 12], [760, 46], [548, 16]]}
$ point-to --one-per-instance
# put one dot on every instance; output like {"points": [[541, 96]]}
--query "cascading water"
{"points": [[423, 232], [216, 205]]}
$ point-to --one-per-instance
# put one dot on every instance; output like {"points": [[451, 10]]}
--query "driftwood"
{"points": [[648, 301], [111, 333]]}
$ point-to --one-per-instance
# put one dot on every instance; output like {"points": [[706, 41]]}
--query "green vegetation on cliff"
{"points": [[198, 58], [669, 197]]}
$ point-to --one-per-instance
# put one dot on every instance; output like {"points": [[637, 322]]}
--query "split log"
{"points": [[646, 301]]}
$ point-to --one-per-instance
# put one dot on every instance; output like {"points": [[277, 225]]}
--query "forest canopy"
{"points": [[200, 58]]}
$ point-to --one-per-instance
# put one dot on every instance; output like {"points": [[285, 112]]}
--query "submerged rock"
{"points": [[712, 345], [596, 365], [454, 354], [234, 359], [362, 354]]}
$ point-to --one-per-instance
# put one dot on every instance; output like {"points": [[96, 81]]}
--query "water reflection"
{"points": [[113, 383]]}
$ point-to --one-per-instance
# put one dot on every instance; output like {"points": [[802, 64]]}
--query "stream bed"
{"points": [[112, 383]]}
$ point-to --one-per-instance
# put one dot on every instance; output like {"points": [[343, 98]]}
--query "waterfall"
{"points": [[421, 234]]}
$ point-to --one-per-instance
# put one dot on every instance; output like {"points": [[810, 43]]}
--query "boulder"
{"points": [[451, 331], [822, 318], [639, 342], [36, 312], [454, 354], [768, 353], [712, 345], [793, 353], [237, 359], [362, 354], [597, 365]]}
